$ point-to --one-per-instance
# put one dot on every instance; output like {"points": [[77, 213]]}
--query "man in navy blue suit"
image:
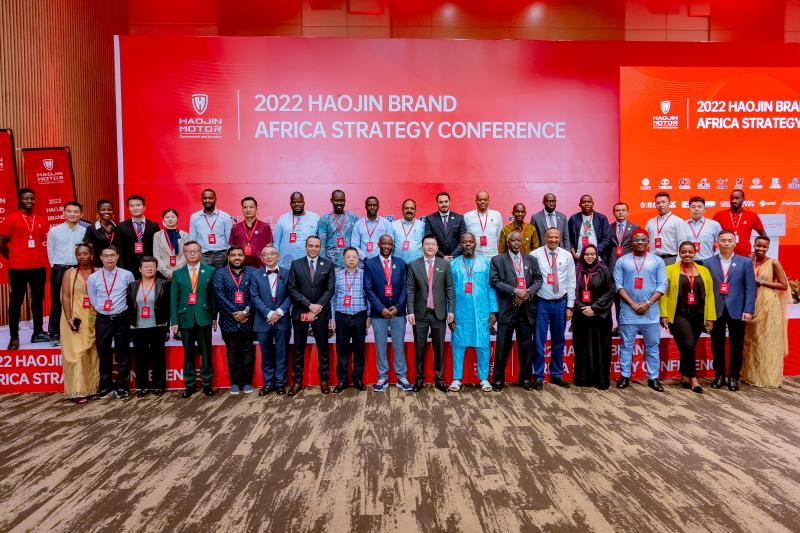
{"points": [[447, 226], [588, 227], [270, 297], [385, 286], [735, 297]]}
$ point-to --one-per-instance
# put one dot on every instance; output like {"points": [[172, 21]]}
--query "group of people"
{"points": [[137, 280]]}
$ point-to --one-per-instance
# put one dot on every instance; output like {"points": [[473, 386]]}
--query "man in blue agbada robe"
{"points": [[475, 311]]}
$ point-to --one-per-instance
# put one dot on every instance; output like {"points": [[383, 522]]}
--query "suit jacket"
{"points": [[159, 308], [503, 279], [601, 231], [417, 288], [375, 281], [450, 240], [610, 257], [540, 221], [127, 241], [304, 292], [201, 313], [261, 297], [741, 297]]}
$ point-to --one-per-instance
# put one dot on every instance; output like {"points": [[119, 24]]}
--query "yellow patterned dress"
{"points": [[78, 350], [765, 337]]}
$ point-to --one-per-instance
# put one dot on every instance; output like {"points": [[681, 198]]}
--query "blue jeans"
{"points": [[273, 355], [550, 316], [395, 326], [482, 355], [651, 334]]}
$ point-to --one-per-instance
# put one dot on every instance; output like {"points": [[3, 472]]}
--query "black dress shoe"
{"points": [[187, 392], [324, 388], [685, 385], [655, 385], [13, 343], [208, 391], [360, 386], [295, 389], [718, 382], [538, 384], [615, 332], [280, 391], [497, 386], [141, 393], [526, 385], [698, 389], [339, 388], [40, 337], [441, 386], [263, 391], [159, 392], [623, 382], [418, 386], [733, 384], [560, 382]]}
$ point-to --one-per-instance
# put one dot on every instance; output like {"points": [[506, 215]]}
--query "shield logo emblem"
{"points": [[665, 105], [200, 103], [48, 164]]}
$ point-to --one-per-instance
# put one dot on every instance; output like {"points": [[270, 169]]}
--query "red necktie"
{"points": [[430, 284], [387, 271]]}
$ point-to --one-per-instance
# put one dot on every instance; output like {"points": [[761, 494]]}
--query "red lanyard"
{"points": [[109, 237], [586, 278], [210, 226], [468, 272], [402, 224], [32, 224], [239, 281], [553, 263], [274, 284], [431, 268], [339, 225], [587, 224], [387, 270], [738, 221], [691, 227], [169, 242], [691, 278], [296, 222], [620, 234], [349, 286], [483, 224], [518, 266], [725, 272], [370, 233], [113, 282], [249, 236], [146, 292], [637, 267], [659, 228]]}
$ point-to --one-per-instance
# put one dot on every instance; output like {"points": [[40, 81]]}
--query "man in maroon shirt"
{"points": [[740, 221], [23, 242], [251, 234]]}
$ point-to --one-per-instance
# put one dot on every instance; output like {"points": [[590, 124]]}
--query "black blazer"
{"points": [[160, 307], [503, 279], [450, 240], [600, 226], [127, 240], [610, 257], [417, 288], [304, 292]]}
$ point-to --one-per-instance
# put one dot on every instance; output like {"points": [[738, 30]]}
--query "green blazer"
{"points": [[203, 312]]}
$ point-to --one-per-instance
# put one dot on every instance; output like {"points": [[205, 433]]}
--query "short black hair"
{"points": [[250, 198], [662, 193], [103, 201], [134, 197], [24, 190], [694, 199], [76, 204]]}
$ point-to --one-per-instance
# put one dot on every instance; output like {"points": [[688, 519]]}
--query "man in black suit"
{"points": [[311, 284], [619, 245], [516, 278], [136, 236], [431, 300], [550, 218], [447, 227]]}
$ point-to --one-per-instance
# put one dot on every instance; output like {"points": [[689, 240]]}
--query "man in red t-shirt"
{"points": [[740, 221], [23, 241]]}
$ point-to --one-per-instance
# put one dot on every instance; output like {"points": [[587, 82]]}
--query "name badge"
{"points": [[370, 246], [340, 242], [107, 305], [586, 296], [87, 304], [348, 300], [696, 246], [238, 297], [737, 238], [138, 247], [584, 241], [467, 287], [521, 283], [406, 245], [173, 260], [145, 312], [691, 300], [192, 299], [31, 243], [212, 238], [293, 237], [387, 291], [638, 283], [484, 240], [658, 242], [248, 250], [551, 279], [723, 288], [619, 251]]}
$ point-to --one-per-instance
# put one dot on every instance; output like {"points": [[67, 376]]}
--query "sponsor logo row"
{"points": [[720, 184]]}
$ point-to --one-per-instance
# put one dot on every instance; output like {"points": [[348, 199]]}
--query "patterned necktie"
{"points": [[387, 271], [430, 283], [139, 228], [554, 267]]}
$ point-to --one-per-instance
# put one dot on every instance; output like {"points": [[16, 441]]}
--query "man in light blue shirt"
{"points": [[368, 230], [211, 228], [335, 229], [407, 233], [641, 279], [61, 242], [701, 231], [292, 230]]}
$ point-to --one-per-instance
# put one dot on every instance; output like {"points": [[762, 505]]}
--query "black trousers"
{"points": [[19, 280], [735, 341], [686, 330], [524, 347], [217, 259], [423, 325], [320, 329], [148, 344], [241, 354], [54, 322], [351, 330], [113, 329]]}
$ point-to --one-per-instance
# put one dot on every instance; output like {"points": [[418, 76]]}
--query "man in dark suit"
{"points": [[516, 279], [270, 296], [446, 226], [136, 235], [735, 298], [311, 284], [588, 227], [550, 218], [619, 245], [431, 300]]}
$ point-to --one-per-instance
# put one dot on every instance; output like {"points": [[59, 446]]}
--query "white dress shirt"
{"points": [[673, 230], [705, 232], [565, 265], [61, 241], [488, 225]]}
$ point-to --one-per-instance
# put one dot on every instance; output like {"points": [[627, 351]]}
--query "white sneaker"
{"points": [[455, 386], [486, 386]]}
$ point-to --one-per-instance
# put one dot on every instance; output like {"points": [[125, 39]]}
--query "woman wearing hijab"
{"points": [[686, 308], [591, 321]]}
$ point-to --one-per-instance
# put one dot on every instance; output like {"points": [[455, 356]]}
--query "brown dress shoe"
{"points": [[323, 387], [294, 389]]}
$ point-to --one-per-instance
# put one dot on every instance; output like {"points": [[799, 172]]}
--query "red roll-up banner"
{"points": [[48, 171], [8, 186]]}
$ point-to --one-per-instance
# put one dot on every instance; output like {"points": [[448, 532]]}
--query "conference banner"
{"points": [[8, 186], [48, 171], [393, 118]]}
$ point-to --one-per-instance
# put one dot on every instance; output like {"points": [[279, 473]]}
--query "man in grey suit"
{"points": [[430, 301], [550, 218]]}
